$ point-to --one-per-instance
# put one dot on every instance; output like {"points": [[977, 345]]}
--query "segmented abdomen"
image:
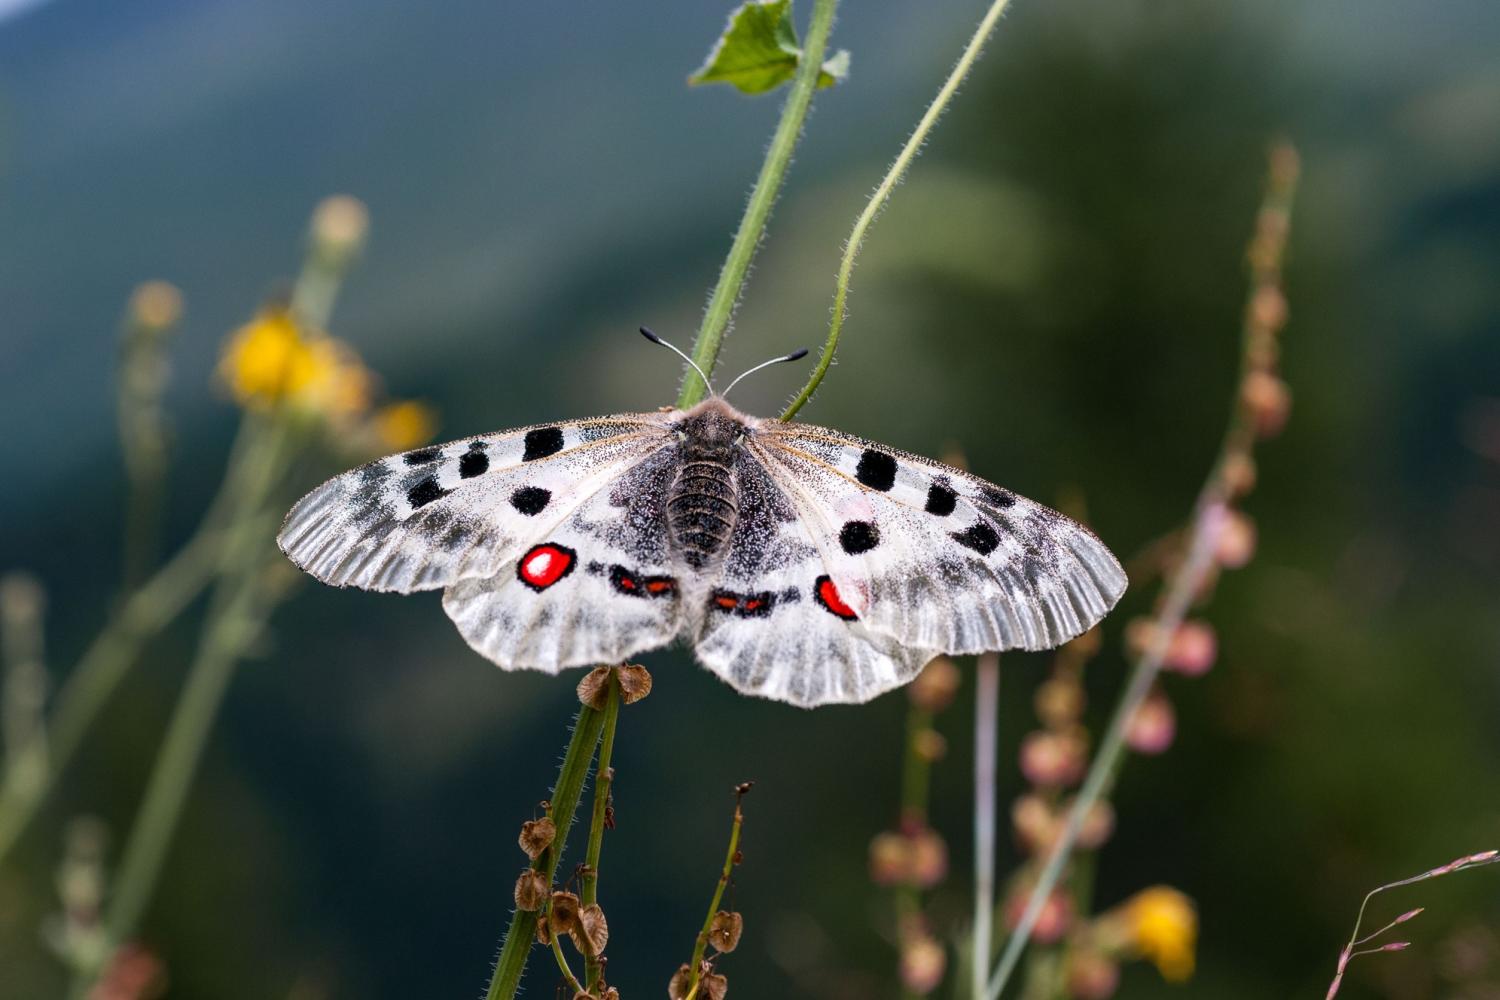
{"points": [[702, 510]]}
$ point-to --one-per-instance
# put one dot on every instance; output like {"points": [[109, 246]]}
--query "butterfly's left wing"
{"points": [[936, 558]]}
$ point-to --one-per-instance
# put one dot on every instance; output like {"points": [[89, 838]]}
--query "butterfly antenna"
{"points": [[651, 336], [794, 356]]}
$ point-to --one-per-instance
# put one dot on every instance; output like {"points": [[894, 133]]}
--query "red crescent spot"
{"points": [[545, 565], [626, 583], [726, 601], [658, 586], [828, 596]]}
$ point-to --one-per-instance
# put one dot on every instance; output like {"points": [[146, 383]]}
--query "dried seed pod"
{"points": [[536, 836], [724, 931], [562, 916], [591, 932], [543, 932], [712, 986], [610, 993], [635, 682], [593, 690], [929, 745], [677, 989], [531, 890], [923, 962]]}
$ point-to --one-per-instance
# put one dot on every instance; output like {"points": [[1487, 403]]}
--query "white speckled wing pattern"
{"points": [[939, 559], [776, 638], [802, 564], [428, 518], [599, 589], [936, 558]]}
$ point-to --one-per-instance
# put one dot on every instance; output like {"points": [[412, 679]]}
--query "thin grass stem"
{"points": [[882, 195]]}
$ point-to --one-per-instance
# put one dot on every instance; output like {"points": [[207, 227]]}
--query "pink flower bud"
{"points": [[1153, 726], [923, 963], [1051, 924], [1192, 649], [1052, 759], [1236, 543], [1092, 975]]}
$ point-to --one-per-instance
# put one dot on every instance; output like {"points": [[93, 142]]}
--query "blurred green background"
{"points": [[1056, 290]]}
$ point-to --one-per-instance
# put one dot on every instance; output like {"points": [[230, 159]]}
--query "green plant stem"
{"points": [[253, 465], [1184, 588], [604, 780], [883, 194], [562, 963], [701, 944], [726, 293], [521, 933]]}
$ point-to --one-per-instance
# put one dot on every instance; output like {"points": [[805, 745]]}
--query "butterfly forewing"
{"points": [[939, 559], [599, 588], [431, 517]]}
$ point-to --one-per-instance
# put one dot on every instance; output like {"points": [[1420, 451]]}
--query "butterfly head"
{"points": [[713, 427]]}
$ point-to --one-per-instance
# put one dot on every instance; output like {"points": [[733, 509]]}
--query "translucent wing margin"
{"points": [[939, 559], [428, 518]]}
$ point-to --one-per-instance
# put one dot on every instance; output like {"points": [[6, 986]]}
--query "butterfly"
{"points": [[801, 564]]}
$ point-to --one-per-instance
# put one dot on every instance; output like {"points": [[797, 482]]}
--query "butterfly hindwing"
{"points": [[936, 558], [427, 518], [597, 588], [771, 625]]}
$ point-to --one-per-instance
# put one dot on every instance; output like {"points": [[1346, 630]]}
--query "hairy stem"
{"points": [[701, 945], [521, 933], [883, 194], [726, 293], [604, 779]]}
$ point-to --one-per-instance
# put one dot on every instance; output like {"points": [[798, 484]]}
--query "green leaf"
{"points": [[758, 51]]}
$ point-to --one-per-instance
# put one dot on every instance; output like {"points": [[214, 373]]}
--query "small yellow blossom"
{"points": [[270, 361], [405, 425], [1164, 928], [267, 360]]}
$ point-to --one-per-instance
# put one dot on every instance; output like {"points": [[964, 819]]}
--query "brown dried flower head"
{"points": [[929, 745], [591, 931], [593, 690], [536, 836], [610, 993], [677, 989], [635, 683], [531, 890], [724, 931], [712, 986], [563, 914]]}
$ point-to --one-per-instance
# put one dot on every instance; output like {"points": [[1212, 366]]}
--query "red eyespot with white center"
{"points": [[545, 564], [828, 596]]}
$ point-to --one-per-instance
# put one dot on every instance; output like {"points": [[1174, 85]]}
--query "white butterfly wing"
{"points": [[431, 517], [767, 627], [936, 558], [597, 588]]}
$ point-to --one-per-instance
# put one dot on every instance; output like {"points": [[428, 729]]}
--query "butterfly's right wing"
{"points": [[466, 509], [768, 628]]}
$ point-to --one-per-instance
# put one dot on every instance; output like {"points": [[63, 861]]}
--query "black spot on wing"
{"points": [[978, 536], [858, 536], [425, 492], [542, 442], [876, 470], [996, 497], [530, 500], [473, 463], [421, 457], [941, 500]]}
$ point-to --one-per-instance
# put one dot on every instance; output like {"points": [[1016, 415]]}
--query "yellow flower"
{"points": [[405, 425], [267, 360], [270, 361], [1164, 928]]}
